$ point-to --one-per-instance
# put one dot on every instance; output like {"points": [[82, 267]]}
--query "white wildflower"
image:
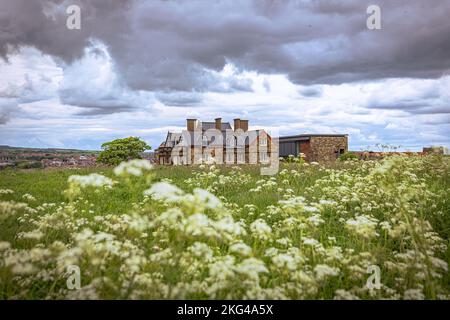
{"points": [[4, 245], [323, 271], [316, 219], [251, 267], [309, 241], [207, 198], [28, 197], [91, 180], [260, 229], [241, 249], [284, 261], [363, 226], [34, 235], [165, 191], [135, 167], [6, 191], [414, 294]]}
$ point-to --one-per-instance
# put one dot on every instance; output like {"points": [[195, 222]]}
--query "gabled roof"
{"points": [[172, 139]]}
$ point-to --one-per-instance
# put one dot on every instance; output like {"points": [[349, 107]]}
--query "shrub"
{"points": [[116, 151]]}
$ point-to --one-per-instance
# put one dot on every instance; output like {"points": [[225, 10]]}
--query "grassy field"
{"points": [[205, 232]]}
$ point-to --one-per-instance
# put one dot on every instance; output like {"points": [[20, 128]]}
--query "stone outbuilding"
{"points": [[316, 147]]}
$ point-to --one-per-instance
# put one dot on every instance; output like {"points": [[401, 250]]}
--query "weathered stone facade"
{"points": [[316, 147], [216, 142], [326, 148]]}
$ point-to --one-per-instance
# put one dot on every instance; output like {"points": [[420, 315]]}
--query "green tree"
{"points": [[116, 151]]}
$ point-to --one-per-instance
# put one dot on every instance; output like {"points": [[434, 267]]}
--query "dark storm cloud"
{"points": [[4, 114], [180, 99], [106, 109], [96, 105], [181, 45], [3, 118], [311, 92], [42, 24], [7, 107], [415, 107]]}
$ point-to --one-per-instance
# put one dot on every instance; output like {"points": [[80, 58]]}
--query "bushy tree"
{"points": [[116, 151]]}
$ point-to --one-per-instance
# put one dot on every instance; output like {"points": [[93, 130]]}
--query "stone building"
{"points": [[215, 142], [316, 147]]}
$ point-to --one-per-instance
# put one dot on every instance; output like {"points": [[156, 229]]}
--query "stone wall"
{"points": [[305, 148], [323, 149]]}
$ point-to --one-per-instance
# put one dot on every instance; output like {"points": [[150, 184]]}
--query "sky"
{"points": [[140, 68]]}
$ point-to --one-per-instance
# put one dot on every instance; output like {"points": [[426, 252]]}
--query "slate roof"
{"points": [[206, 125], [308, 136]]}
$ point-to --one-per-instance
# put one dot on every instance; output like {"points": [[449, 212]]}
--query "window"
{"points": [[241, 157], [230, 141], [206, 157], [230, 157], [263, 157], [205, 140], [263, 141]]}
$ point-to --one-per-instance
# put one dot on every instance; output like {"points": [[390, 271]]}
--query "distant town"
{"points": [[29, 158], [33, 158]]}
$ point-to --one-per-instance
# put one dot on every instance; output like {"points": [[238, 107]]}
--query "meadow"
{"points": [[312, 231]]}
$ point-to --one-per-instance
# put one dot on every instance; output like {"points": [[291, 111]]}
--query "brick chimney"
{"points": [[237, 124], [218, 123], [244, 125], [191, 124]]}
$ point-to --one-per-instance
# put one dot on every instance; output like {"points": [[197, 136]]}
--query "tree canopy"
{"points": [[116, 151]]}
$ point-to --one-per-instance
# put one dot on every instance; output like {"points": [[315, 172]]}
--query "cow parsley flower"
{"points": [[316, 219], [241, 249], [4, 245], [28, 197], [91, 180], [284, 261], [207, 198], [323, 271], [260, 229], [6, 191], [34, 235], [363, 226], [414, 294], [165, 191], [310, 241], [251, 267], [135, 167]]}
